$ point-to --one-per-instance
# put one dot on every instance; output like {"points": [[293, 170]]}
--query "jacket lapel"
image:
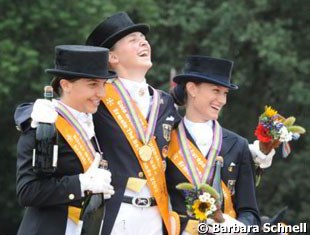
{"points": [[228, 142]]}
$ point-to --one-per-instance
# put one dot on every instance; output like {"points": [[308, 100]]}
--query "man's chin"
{"points": [[147, 65]]}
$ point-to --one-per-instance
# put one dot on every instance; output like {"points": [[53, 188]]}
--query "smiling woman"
{"points": [[206, 101], [199, 142], [83, 94], [54, 200]]}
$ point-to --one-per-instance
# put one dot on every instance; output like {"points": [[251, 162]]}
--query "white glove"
{"points": [[230, 226], [262, 160], [97, 180], [43, 111]]}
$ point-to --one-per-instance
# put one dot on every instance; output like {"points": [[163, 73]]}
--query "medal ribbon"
{"points": [[76, 137], [146, 135], [199, 161], [206, 175]]}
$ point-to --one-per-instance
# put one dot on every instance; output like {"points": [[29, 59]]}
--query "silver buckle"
{"points": [[141, 202]]}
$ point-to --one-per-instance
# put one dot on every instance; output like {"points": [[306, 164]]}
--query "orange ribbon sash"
{"points": [[75, 141], [153, 168], [79, 147]]}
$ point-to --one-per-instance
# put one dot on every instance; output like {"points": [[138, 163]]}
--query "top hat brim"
{"points": [[183, 78], [71, 75], [110, 41]]}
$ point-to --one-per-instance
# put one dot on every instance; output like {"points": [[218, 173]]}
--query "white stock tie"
{"points": [[139, 92], [202, 134]]}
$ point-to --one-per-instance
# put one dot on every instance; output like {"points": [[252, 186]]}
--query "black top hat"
{"points": [[75, 61], [112, 29], [207, 69]]}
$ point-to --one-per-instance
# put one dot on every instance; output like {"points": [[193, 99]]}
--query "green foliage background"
{"points": [[267, 39]]}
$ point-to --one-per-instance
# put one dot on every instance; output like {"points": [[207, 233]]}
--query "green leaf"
{"points": [[185, 186], [296, 129], [289, 121]]}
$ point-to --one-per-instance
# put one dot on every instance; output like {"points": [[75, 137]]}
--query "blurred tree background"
{"points": [[267, 39]]}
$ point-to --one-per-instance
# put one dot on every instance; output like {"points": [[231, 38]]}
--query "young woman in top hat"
{"points": [[50, 200], [203, 89]]}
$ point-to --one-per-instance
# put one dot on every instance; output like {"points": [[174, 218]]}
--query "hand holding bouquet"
{"points": [[202, 202], [273, 129]]}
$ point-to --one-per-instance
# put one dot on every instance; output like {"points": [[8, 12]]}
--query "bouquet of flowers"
{"points": [[273, 129], [202, 202]]}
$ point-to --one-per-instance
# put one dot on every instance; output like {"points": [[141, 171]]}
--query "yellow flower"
{"points": [[270, 111], [200, 208]]}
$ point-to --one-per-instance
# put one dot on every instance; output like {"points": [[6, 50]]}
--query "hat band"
{"points": [[210, 76]]}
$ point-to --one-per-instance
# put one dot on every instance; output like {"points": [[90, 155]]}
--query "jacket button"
{"points": [[141, 175], [71, 196]]}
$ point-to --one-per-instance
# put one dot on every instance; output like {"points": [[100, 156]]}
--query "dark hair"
{"points": [[56, 84], [179, 94]]}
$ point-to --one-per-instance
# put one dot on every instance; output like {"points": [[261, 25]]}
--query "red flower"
{"points": [[262, 134]]}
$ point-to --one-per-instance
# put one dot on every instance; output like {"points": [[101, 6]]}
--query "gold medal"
{"points": [[145, 153]]}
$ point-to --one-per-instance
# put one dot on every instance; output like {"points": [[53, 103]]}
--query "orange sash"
{"points": [[199, 161], [75, 141], [153, 169], [79, 147]]}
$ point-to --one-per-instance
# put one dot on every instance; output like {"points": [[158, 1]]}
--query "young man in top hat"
{"points": [[203, 89], [136, 144], [51, 199], [133, 125]]}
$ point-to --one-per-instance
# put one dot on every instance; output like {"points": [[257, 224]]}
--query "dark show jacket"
{"points": [[116, 149], [122, 161], [234, 150], [46, 198]]}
